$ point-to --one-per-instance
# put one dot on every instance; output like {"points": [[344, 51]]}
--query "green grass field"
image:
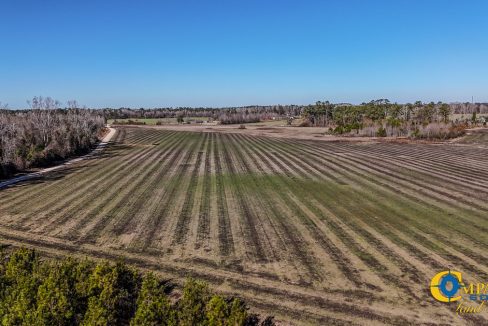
{"points": [[321, 232]]}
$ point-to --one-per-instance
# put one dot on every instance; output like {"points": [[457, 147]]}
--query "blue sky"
{"points": [[226, 53]]}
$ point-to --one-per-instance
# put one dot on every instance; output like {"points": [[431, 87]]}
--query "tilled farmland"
{"points": [[311, 231]]}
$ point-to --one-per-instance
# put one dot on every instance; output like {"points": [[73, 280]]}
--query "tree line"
{"points": [[35, 291], [313, 113], [225, 115], [383, 118], [45, 133]]}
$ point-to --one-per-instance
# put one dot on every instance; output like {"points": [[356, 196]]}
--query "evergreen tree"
{"points": [[74, 292], [21, 280], [192, 305], [112, 290], [217, 311], [153, 306], [55, 298], [238, 313]]}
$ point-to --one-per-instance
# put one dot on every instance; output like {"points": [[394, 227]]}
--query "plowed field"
{"points": [[310, 231]]}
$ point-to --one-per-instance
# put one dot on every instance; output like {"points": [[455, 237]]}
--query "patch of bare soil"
{"points": [[303, 133], [475, 136]]}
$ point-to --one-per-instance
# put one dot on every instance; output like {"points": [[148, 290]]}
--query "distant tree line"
{"points": [[313, 113], [383, 118], [226, 115], [468, 108], [34, 291], [44, 133]]}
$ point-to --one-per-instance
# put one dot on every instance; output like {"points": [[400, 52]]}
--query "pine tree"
{"points": [[54, 298], [153, 306], [112, 291], [238, 313], [192, 305], [217, 311]]}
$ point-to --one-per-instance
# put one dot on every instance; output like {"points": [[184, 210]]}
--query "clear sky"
{"points": [[226, 53]]}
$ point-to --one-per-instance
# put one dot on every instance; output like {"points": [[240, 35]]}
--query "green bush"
{"points": [[339, 130], [82, 292], [381, 132], [153, 306]]}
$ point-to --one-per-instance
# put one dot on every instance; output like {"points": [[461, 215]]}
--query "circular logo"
{"points": [[445, 285]]}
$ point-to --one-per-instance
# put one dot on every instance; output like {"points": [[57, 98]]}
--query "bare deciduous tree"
{"points": [[45, 133]]}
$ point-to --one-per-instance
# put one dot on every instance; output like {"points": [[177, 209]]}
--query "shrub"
{"points": [[153, 306], [74, 292], [339, 130], [217, 311], [113, 290], [381, 132], [226, 312], [439, 131], [192, 305], [305, 123]]}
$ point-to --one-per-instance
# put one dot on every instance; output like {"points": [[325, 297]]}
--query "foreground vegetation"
{"points": [[35, 291], [324, 232]]}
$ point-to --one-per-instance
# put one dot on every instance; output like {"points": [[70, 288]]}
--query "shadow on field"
{"points": [[113, 150], [45, 178]]}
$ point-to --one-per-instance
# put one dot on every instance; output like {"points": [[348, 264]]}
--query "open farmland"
{"points": [[324, 232], [153, 121]]}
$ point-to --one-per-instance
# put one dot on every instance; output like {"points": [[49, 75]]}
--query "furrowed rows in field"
{"points": [[300, 224]]}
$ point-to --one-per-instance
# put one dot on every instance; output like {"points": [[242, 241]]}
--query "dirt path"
{"points": [[39, 173]]}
